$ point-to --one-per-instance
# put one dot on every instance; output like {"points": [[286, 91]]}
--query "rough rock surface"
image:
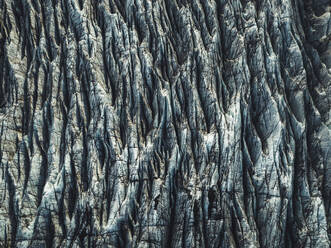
{"points": [[165, 123]]}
